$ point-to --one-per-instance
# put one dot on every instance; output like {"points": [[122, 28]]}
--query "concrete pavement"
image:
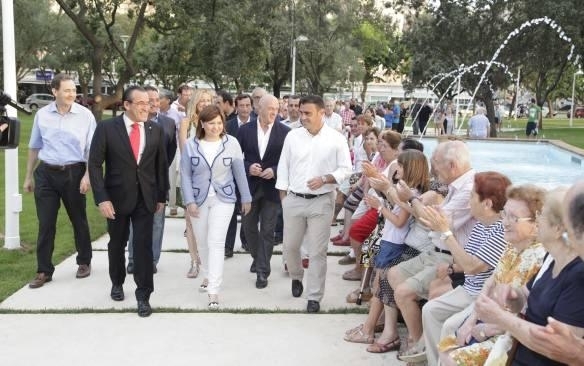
{"points": [[74, 320]]}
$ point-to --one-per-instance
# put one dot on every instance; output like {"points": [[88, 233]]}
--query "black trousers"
{"points": [[51, 187], [232, 229], [261, 241], [119, 229]]}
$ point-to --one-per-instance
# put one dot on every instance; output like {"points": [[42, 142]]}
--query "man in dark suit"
{"points": [[242, 116], [133, 188], [243, 110], [169, 127], [261, 143]]}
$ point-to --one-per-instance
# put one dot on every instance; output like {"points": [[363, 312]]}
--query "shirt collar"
{"points": [[75, 108], [128, 122], [460, 181]]}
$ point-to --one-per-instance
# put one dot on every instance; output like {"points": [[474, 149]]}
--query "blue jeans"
{"points": [[157, 230]]}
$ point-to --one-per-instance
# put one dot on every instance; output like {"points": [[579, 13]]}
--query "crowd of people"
{"points": [[481, 271]]}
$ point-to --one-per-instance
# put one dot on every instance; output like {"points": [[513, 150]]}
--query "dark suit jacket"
{"points": [[248, 139], [232, 125], [111, 144], [169, 128]]}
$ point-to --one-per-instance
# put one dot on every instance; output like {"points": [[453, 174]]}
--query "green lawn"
{"points": [[17, 267], [553, 129]]}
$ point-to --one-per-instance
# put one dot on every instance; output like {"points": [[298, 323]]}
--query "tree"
{"points": [[379, 47], [36, 35], [96, 21]]}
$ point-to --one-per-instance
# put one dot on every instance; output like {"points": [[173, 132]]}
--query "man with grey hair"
{"points": [[332, 119], [558, 340], [261, 143], [256, 95], [478, 125], [411, 279]]}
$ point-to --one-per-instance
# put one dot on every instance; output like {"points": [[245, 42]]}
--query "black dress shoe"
{"points": [[262, 281], [154, 268], [313, 306], [117, 293], [252, 269], [144, 308], [130, 268], [228, 253], [297, 288]]}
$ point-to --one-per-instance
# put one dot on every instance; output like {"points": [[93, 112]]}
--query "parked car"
{"points": [[578, 112], [36, 101], [85, 101]]}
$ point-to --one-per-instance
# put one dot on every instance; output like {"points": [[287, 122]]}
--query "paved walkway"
{"points": [[70, 321]]}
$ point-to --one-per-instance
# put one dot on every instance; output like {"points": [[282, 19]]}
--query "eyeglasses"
{"points": [[512, 218]]}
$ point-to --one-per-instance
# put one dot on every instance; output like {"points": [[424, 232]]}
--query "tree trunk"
{"points": [[364, 83], [96, 64], [491, 115]]}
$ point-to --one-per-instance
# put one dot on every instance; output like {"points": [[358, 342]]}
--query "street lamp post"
{"points": [[572, 109], [298, 39]]}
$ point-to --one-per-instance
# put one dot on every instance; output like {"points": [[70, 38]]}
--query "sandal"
{"points": [[414, 354], [194, 270], [213, 302], [359, 337], [377, 347], [204, 285], [358, 328]]}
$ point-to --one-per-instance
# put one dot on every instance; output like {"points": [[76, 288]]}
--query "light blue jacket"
{"points": [[197, 174]]}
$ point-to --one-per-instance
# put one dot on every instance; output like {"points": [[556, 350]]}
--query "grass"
{"points": [[17, 267], [553, 129]]}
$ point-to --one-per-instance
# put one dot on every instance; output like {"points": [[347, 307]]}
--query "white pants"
{"points": [[210, 229], [442, 316]]}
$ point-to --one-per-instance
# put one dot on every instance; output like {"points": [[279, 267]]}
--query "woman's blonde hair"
{"points": [[192, 113], [553, 205]]}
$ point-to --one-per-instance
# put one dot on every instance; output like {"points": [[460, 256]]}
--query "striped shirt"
{"points": [[487, 243]]}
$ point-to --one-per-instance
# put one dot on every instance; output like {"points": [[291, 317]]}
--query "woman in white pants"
{"points": [[211, 164]]}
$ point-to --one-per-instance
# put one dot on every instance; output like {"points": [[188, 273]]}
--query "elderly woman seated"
{"points": [[476, 259], [466, 340], [555, 292]]}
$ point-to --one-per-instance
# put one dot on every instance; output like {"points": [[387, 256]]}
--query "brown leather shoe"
{"points": [[40, 280], [83, 271]]}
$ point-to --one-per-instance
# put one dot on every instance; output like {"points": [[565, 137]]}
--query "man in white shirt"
{"points": [[332, 119], [293, 120], [411, 279], [180, 104], [315, 158], [478, 125]]}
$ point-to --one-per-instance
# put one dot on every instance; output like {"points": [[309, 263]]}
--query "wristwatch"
{"points": [[445, 235], [411, 199], [323, 178]]}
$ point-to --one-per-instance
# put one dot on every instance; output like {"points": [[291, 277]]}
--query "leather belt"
{"points": [[436, 249], [62, 167], [307, 196]]}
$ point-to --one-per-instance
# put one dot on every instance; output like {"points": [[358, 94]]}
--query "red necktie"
{"points": [[135, 139]]}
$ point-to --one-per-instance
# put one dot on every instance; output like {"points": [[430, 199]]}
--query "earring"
{"points": [[565, 238]]}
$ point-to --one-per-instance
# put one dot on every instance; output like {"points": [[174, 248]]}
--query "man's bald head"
{"points": [[268, 107], [574, 216]]}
